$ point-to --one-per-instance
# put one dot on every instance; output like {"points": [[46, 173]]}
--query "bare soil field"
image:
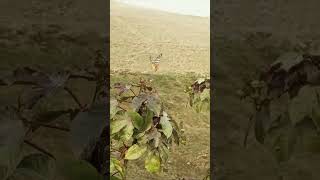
{"points": [[137, 33]]}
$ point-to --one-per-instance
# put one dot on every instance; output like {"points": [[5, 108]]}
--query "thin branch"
{"points": [[38, 148], [74, 97]]}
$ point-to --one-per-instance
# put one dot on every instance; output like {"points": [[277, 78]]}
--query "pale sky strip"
{"points": [[185, 7]]}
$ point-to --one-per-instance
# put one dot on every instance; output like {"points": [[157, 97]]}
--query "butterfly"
{"points": [[155, 62]]}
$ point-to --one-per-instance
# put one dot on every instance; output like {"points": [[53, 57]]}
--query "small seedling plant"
{"points": [[286, 106], [199, 94], [199, 99], [141, 128]]}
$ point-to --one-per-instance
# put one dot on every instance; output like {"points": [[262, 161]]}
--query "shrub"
{"points": [[140, 128]]}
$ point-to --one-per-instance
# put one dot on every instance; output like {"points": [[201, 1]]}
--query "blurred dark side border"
{"points": [[246, 36], [82, 25]]}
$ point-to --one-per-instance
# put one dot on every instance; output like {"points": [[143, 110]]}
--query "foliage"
{"points": [[286, 105], [140, 128], [199, 94], [20, 121]]}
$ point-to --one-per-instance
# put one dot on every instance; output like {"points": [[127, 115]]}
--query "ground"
{"points": [[138, 33]]}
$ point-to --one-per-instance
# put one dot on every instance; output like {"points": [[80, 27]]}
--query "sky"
{"points": [[186, 7]]}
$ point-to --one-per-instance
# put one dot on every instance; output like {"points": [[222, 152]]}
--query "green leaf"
{"points": [[47, 117], [12, 134], [86, 128], [114, 178], [136, 119], [288, 60], [113, 108], [77, 170], [205, 95], [142, 140], [127, 132], [152, 163], [148, 120], [135, 152], [116, 125], [164, 154], [46, 85], [139, 135], [122, 88], [166, 125], [302, 105], [313, 74], [279, 107], [39, 166], [262, 123], [112, 166], [154, 135], [116, 166], [138, 100], [154, 105], [25, 174], [40, 163], [22, 75], [313, 144], [178, 132]]}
